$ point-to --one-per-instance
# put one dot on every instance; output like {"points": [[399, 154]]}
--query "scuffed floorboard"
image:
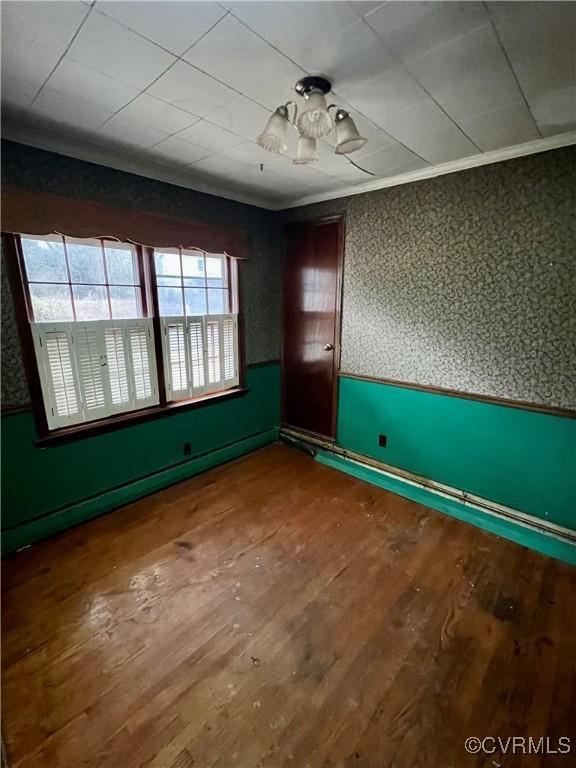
{"points": [[274, 613]]}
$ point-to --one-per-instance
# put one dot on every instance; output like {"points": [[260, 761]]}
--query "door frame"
{"points": [[340, 219]]}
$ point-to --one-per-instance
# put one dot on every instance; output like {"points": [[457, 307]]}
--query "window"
{"points": [[117, 327], [199, 332], [70, 279]]}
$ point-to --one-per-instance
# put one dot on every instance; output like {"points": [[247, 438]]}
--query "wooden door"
{"points": [[311, 348]]}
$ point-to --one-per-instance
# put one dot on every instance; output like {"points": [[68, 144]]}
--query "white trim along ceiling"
{"points": [[178, 91]]}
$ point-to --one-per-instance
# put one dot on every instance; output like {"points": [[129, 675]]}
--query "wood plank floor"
{"points": [[275, 613]]}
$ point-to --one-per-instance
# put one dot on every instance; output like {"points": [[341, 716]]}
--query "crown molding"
{"points": [[474, 161], [84, 150], [92, 153]]}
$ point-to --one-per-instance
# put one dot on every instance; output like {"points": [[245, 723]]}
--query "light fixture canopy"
{"points": [[307, 151], [348, 138], [313, 122], [273, 138]]}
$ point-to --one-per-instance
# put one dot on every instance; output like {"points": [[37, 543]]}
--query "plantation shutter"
{"points": [[95, 369], [213, 353], [175, 358], [197, 355], [142, 357], [116, 360], [230, 350], [200, 354], [57, 368], [90, 355]]}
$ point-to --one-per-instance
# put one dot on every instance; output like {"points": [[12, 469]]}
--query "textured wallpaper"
{"points": [[467, 281], [14, 386], [261, 280]]}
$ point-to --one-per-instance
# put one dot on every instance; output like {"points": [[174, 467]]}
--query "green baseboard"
{"points": [[542, 542], [35, 530]]}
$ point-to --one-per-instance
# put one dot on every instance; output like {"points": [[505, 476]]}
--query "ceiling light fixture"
{"points": [[313, 122]]}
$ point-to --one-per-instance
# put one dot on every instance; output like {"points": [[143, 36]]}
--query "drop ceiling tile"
{"points": [[219, 167], [51, 24], [413, 29], [272, 89], [26, 60], [241, 116], [387, 159], [555, 111], [416, 164], [352, 56], [158, 114], [17, 94], [540, 43], [472, 61], [116, 51], [178, 151], [363, 8], [235, 55], [442, 146], [425, 117], [501, 128], [187, 88], [325, 183], [350, 174], [251, 154], [173, 25], [310, 177], [210, 136], [339, 166], [478, 98], [74, 112], [120, 129], [391, 92], [77, 80], [295, 29]]}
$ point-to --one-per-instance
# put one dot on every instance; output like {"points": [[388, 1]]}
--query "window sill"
{"points": [[93, 428]]}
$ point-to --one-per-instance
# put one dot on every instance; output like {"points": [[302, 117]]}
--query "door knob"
{"points": [[328, 347]]}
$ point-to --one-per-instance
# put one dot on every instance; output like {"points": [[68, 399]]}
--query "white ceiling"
{"points": [[179, 90]]}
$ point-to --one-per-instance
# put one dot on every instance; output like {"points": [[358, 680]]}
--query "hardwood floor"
{"points": [[274, 613]]}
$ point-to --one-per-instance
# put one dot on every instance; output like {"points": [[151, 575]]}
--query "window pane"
{"points": [[91, 302], [194, 282], [195, 301], [177, 281], [217, 301], [121, 264], [51, 302], [125, 302], [85, 261], [216, 271], [193, 264], [44, 260], [170, 302], [167, 263]]}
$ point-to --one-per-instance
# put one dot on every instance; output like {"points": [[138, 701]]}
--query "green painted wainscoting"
{"points": [[519, 458], [45, 490]]}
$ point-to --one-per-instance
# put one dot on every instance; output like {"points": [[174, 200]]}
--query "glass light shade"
{"points": [[314, 121], [347, 137], [273, 138], [307, 151]]}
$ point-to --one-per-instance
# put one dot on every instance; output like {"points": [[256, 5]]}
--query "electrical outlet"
{"points": [[382, 441], [187, 449]]}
